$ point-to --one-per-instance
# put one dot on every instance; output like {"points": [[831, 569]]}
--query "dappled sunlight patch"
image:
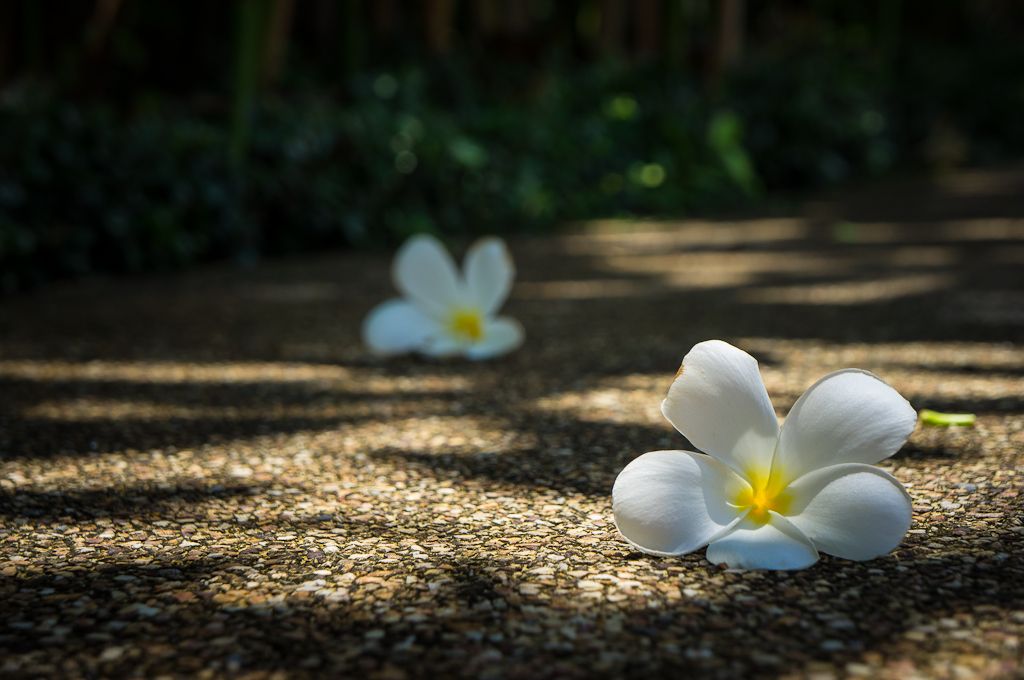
{"points": [[606, 404], [411, 427], [610, 237], [700, 270], [967, 376], [589, 289], [106, 410], [941, 231], [979, 393], [977, 182], [880, 289], [427, 433], [984, 229], [990, 356], [171, 372], [915, 257], [636, 382], [135, 497]]}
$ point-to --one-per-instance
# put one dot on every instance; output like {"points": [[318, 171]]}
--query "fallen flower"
{"points": [[929, 417], [762, 497], [443, 313]]}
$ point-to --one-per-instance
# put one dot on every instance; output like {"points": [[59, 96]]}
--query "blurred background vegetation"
{"points": [[139, 135]]}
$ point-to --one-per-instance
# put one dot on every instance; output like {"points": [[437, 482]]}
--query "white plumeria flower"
{"points": [[764, 497], [443, 313]]}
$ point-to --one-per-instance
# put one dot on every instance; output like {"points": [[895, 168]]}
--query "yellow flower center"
{"points": [[761, 496], [467, 324]]}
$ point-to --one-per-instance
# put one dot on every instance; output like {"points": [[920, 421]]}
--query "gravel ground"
{"points": [[205, 474]]}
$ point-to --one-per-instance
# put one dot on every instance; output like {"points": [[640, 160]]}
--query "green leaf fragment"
{"points": [[929, 417]]}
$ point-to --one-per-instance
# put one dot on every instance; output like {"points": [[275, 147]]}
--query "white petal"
{"points": [[850, 416], [489, 273], [443, 345], [397, 326], [776, 544], [719, 403], [674, 502], [501, 336], [853, 510], [425, 273]]}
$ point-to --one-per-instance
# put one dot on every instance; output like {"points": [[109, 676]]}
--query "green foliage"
{"points": [[835, 105], [81, 191], [817, 119], [84, 190]]}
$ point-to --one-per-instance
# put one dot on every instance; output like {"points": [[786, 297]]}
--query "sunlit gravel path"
{"points": [[206, 474]]}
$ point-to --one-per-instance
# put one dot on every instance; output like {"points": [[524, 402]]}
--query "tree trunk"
{"points": [[729, 46], [250, 25], [613, 20], [646, 28], [278, 33], [440, 19]]}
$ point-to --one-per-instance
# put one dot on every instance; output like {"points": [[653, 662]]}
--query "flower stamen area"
{"points": [[467, 324], [760, 498]]}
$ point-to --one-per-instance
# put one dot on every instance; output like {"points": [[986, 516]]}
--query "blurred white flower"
{"points": [[443, 313], [764, 497]]}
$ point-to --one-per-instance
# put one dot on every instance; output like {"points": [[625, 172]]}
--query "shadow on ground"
{"points": [[362, 588], [467, 618]]}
